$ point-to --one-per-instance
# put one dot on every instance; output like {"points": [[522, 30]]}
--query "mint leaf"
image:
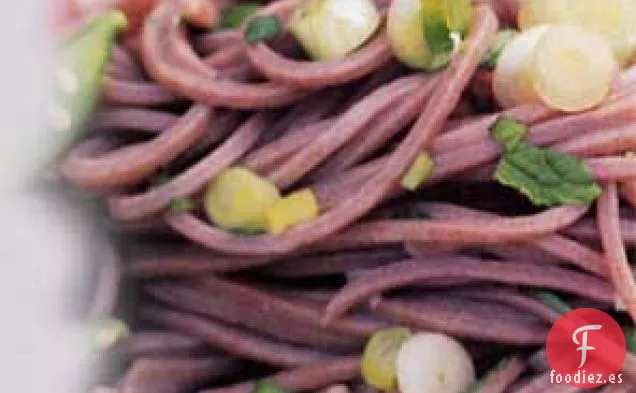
{"points": [[234, 16], [496, 49], [569, 168], [262, 28], [533, 161], [548, 178]]}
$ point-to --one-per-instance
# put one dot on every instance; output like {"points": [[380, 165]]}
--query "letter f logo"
{"points": [[583, 344]]}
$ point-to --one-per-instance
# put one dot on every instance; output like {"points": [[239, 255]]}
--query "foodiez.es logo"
{"points": [[586, 348]]}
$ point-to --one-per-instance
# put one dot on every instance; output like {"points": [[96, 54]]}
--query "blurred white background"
{"points": [[43, 242]]}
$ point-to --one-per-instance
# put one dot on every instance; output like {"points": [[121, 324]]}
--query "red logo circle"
{"points": [[586, 348]]}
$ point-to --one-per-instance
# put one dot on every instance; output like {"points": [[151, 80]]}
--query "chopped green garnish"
{"points": [[181, 205], [553, 301], [419, 172], [268, 386], [508, 132], [78, 72], [234, 16], [262, 28], [492, 56], [379, 357], [546, 177]]}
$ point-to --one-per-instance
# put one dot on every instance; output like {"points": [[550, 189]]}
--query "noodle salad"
{"points": [[352, 195]]}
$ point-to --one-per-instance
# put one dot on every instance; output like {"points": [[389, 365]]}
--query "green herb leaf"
{"points": [[546, 177], [553, 301], [268, 386], [501, 41], [568, 167], [234, 16], [182, 205], [508, 132], [262, 28]]}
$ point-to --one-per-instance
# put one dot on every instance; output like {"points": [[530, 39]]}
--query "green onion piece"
{"points": [[442, 19], [268, 386], [238, 199], [548, 178], [379, 357], [404, 23], [331, 29], [459, 14], [79, 69], [553, 301], [419, 172], [262, 28], [234, 16], [109, 332], [504, 37], [182, 205], [436, 29]]}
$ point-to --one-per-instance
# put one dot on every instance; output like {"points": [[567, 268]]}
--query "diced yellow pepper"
{"points": [[292, 210], [419, 172], [237, 199]]}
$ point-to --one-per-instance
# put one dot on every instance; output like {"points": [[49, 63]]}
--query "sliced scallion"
{"points": [[380, 354], [419, 172], [331, 29]]}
